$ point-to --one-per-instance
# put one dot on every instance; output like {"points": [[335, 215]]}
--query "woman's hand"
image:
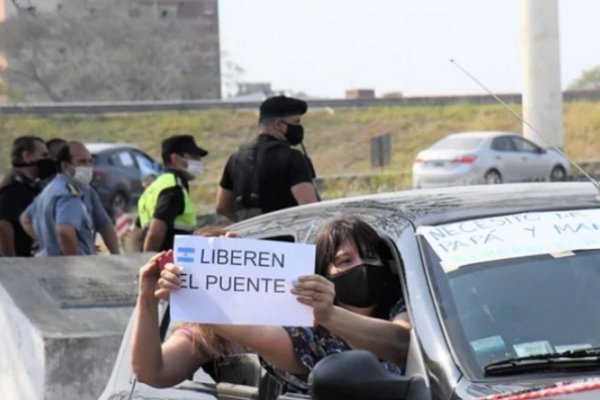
{"points": [[319, 293], [169, 280], [157, 282], [149, 275]]}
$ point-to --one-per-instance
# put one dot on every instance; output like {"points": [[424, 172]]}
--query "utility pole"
{"points": [[542, 94]]}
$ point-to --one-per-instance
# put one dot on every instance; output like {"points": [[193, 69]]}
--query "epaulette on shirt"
{"points": [[72, 189]]}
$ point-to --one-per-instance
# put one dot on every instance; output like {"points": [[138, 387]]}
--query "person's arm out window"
{"points": [[270, 342]]}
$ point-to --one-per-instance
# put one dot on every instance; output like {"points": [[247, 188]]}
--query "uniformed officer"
{"points": [[165, 208], [268, 174], [17, 191], [65, 217]]}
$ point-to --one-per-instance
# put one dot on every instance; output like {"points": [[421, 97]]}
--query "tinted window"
{"points": [[146, 165], [122, 159], [457, 143], [518, 307], [524, 145], [502, 143]]}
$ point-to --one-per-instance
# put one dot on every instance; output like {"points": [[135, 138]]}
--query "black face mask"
{"points": [[46, 167], [360, 286], [294, 134]]}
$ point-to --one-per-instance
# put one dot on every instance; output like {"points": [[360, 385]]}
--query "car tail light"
{"points": [[418, 161], [98, 173], [467, 159]]}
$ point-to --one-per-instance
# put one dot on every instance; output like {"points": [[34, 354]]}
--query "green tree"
{"points": [[589, 80]]}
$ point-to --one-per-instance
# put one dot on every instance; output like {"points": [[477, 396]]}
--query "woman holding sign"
{"points": [[356, 301]]}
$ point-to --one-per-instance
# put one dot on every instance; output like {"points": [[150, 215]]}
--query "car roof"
{"points": [[483, 134], [96, 148], [441, 205]]}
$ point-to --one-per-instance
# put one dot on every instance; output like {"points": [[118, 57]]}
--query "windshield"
{"points": [[457, 143], [518, 307]]}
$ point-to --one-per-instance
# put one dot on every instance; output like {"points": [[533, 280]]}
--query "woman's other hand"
{"points": [[149, 275], [319, 293], [169, 280]]}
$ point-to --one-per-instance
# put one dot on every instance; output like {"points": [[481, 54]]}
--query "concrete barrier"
{"points": [[61, 323]]}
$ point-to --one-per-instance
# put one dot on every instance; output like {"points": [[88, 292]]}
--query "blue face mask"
{"points": [[360, 286]]}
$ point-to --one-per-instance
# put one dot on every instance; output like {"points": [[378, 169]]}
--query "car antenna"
{"points": [[539, 135]]}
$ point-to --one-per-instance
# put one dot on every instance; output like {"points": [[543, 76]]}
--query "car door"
{"points": [[504, 158], [533, 160]]}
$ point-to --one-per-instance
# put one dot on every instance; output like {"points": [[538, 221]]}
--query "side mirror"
{"points": [[357, 375], [541, 150]]}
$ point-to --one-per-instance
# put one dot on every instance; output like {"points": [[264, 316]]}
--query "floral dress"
{"points": [[313, 344]]}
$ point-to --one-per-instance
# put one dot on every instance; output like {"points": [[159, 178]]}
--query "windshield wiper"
{"points": [[567, 360]]}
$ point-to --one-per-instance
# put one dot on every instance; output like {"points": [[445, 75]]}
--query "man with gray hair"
{"points": [[268, 174]]}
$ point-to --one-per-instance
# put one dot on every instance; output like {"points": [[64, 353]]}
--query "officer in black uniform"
{"points": [[29, 158], [267, 174]]}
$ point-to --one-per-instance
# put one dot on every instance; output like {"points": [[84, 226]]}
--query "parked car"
{"points": [[501, 288], [485, 158], [119, 170]]}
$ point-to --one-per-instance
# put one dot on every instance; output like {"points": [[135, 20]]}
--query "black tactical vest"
{"points": [[248, 173]]}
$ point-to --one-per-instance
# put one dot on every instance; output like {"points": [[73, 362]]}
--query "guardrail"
{"points": [[153, 106]]}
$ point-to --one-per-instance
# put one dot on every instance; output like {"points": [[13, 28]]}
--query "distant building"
{"points": [[204, 13], [360, 94], [254, 87]]}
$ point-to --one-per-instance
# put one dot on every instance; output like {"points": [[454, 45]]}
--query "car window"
{"points": [[146, 164], [502, 143], [524, 146], [122, 159], [457, 143]]}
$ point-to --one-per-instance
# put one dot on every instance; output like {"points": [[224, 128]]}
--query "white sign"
{"points": [[509, 236], [240, 281]]}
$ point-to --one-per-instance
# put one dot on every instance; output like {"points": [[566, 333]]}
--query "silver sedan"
{"points": [[472, 158]]}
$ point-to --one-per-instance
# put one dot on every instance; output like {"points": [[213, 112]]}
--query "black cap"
{"points": [[281, 106], [182, 144]]}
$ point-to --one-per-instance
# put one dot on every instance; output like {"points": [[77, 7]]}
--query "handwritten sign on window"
{"points": [[510, 236], [240, 281]]}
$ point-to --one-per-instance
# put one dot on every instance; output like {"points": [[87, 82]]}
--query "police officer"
{"points": [[268, 174], [165, 208], [65, 217], [29, 158]]}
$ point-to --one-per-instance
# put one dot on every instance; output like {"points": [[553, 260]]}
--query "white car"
{"points": [[472, 158]]}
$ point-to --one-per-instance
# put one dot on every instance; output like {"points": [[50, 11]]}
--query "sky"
{"points": [[323, 47]]}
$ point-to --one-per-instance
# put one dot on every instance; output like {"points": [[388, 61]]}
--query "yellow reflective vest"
{"points": [[185, 221]]}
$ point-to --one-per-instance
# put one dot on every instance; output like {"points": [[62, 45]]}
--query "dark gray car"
{"points": [[119, 170]]}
